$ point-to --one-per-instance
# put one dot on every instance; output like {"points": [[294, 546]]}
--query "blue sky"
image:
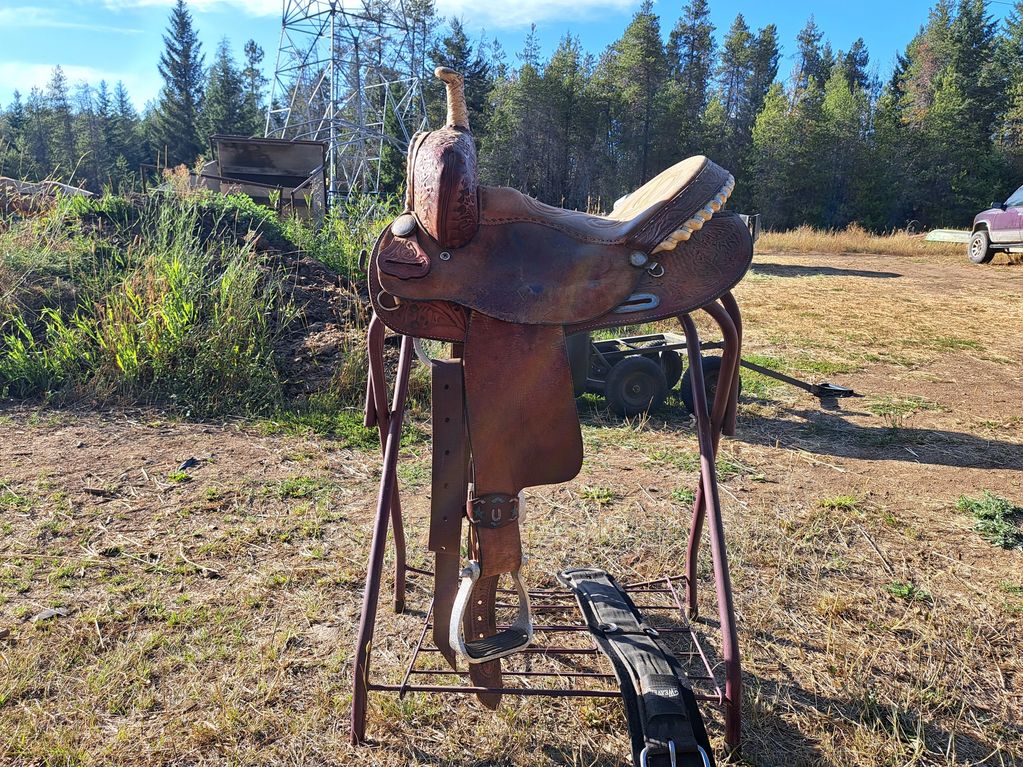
{"points": [[121, 39]]}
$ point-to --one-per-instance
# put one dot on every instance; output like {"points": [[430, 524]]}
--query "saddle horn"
{"points": [[458, 111], [442, 182]]}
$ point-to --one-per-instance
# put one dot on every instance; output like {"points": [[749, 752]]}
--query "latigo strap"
{"points": [[664, 720], [448, 491]]}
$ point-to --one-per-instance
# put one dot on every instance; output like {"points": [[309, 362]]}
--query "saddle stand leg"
{"points": [[371, 595], [722, 419], [732, 308], [722, 581], [377, 414]]}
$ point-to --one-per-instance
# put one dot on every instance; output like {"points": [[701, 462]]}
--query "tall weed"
{"points": [[346, 231], [173, 311], [853, 239]]}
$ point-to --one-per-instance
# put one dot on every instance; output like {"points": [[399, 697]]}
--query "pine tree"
{"points": [[63, 145], [763, 71], [224, 98], [126, 140], [773, 142], [846, 114], [892, 188], [690, 56], [810, 62], [854, 65], [14, 117], [748, 66], [175, 120], [93, 148], [973, 44], [640, 67], [12, 125], [421, 22], [925, 58], [734, 68], [38, 156], [255, 86]]}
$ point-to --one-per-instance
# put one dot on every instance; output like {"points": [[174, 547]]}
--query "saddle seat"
{"points": [[680, 199]]}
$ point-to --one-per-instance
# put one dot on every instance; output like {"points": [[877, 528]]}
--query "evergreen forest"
{"points": [[814, 135]]}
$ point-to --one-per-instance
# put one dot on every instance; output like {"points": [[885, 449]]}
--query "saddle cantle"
{"points": [[505, 277]]}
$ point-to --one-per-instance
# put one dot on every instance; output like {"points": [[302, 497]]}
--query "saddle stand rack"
{"points": [[505, 279], [563, 661]]}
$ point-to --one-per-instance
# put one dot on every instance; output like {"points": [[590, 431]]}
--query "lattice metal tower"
{"points": [[350, 73]]}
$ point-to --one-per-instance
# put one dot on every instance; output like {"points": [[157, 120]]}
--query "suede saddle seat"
{"points": [[532, 263]]}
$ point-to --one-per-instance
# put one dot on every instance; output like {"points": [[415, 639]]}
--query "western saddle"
{"points": [[504, 278]]}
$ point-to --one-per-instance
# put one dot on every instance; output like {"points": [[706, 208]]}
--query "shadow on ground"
{"points": [[792, 270], [830, 432]]}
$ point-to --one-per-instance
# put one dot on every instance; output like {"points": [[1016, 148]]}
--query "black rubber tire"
{"points": [[671, 363], [979, 251], [711, 370], [635, 385]]}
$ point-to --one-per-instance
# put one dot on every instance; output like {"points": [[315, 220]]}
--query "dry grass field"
{"points": [[206, 615]]}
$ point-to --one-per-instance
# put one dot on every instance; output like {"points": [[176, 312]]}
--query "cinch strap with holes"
{"points": [[664, 720]]}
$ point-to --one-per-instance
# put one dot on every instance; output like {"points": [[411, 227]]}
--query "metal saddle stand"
{"points": [[446, 269]]}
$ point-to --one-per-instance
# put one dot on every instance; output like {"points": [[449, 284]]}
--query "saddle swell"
{"points": [[504, 277]]}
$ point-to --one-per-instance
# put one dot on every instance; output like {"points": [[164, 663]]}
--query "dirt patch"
{"points": [[212, 608], [331, 312]]}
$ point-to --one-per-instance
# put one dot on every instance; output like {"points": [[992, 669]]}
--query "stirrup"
{"points": [[511, 640]]}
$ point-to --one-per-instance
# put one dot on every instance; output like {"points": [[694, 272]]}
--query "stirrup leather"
{"points": [[511, 640]]}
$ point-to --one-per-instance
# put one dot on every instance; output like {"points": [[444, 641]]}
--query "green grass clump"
{"points": [[12, 501], [164, 306], [347, 231], [757, 385], [909, 592], [599, 496], [335, 416], [996, 519], [683, 460], [839, 503], [895, 411], [683, 495], [297, 487]]}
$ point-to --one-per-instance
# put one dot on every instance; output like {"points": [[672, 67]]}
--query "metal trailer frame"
{"points": [[612, 350]]}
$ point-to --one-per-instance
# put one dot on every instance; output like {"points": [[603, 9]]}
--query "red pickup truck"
{"points": [[997, 229]]}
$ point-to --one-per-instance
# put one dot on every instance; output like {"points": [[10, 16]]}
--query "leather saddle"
{"points": [[505, 278]]}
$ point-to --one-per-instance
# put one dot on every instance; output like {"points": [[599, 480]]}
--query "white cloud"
{"points": [[250, 7], [491, 14], [522, 13], [25, 16], [24, 76]]}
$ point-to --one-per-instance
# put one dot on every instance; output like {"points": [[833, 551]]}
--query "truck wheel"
{"points": [[711, 369], [635, 385], [980, 248]]}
